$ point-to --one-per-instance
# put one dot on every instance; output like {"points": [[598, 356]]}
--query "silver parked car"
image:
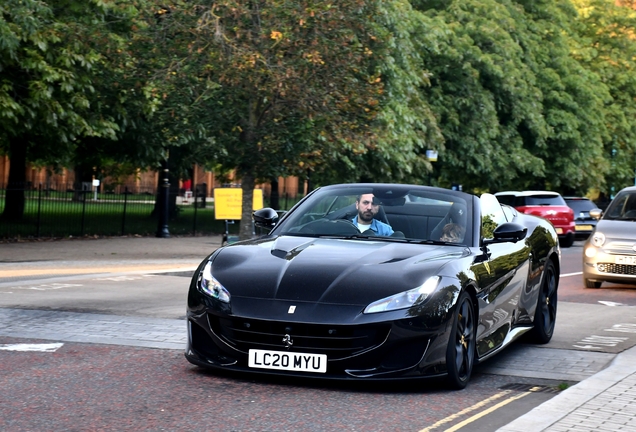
{"points": [[609, 254]]}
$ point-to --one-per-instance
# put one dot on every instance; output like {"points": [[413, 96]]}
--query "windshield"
{"points": [[397, 213], [581, 205], [623, 207], [544, 200]]}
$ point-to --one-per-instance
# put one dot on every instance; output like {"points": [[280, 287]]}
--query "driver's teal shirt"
{"points": [[379, 227]]}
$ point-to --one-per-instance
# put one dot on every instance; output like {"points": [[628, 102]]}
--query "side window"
{"points": [[506, 199], [492, 215], [520, 201]]}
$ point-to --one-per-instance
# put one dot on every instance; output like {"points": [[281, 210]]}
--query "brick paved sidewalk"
{"points": [[604, 402]]}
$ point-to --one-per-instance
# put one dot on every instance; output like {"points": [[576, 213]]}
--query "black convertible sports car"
{"points": [[376, 281]]}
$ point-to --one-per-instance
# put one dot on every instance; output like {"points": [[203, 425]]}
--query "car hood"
{"points": [[321, 270], [617, 229]]}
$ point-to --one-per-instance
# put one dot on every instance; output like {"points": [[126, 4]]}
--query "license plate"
{"points": [[282, 360], [583, 227], [559, 230], [620, 259]]}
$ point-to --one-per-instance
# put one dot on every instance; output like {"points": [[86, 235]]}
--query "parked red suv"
{"points": [[549, 205]]}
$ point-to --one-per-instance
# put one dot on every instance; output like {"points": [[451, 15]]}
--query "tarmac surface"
{"points": [[604, 398]]}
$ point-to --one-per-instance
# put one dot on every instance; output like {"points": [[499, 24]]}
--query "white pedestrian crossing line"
{"points": [[48, 347]]}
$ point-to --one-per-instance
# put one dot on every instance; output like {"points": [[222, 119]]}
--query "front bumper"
{"points": [[384, 350], [603, 267]]}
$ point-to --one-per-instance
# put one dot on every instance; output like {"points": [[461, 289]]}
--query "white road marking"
{"points": [[46, 287], [51, 347], [623, 328], [597, 342], [572, 274], [120, 278], [611, 303]]}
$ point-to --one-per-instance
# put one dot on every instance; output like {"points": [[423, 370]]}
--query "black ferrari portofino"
{"points": [[376, 281]]}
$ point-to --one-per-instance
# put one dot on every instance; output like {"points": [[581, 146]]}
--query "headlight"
{"points": [[590, 252], [405, 299], [598, 239], [211, 286]]}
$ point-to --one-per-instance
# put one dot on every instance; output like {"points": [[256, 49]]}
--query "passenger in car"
{"points": [[453, 233], [368, 206]]}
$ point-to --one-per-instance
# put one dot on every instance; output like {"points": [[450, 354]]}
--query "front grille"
{"points": [[337, 341], [621, 269]]}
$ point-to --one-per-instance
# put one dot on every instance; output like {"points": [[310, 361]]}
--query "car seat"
{"points": [[456, 214]]}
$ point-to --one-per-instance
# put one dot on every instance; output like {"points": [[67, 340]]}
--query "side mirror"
{"points": [[265, 217], [507, 232], [596, 213]]}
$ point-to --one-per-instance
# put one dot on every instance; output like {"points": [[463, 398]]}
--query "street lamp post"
{"points": [[162, 228]]}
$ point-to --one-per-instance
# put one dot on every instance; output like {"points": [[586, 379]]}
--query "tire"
{"points": [[545, 314], [460, 352], [592, 284]]}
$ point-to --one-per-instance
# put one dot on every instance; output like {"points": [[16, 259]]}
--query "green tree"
{"points": [[405, 126], [574, 99], [515, 108], [608, 48], [176, 132], [47, 59], [294, 84]]}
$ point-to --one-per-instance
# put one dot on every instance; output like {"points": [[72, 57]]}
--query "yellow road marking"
{"points": [[477, 406], [486, 412], [89, 270], [467, 410]]}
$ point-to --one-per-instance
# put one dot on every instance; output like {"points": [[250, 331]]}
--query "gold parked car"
{"points": [[609, 254]]}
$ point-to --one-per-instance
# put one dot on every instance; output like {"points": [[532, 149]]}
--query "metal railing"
{"points": [[64, 211]]}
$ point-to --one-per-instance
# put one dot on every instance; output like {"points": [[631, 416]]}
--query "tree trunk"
{"points": [[274, 196], [83, 174], [310, 184], [247, 185], [14, 200]]}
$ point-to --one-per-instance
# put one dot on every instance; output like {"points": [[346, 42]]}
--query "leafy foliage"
{"points": [[289, 74], [608, 49], [48, 53], [509, 96], [511, 93]]}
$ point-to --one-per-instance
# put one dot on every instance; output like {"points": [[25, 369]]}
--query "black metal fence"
{"points": [[61, 210]]}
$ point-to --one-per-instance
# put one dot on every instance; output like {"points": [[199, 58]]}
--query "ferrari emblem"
{"points": [[487, 267], [287, 341]]}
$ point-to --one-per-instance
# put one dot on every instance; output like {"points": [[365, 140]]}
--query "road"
{"points": [[119, 364], [598, 320]]}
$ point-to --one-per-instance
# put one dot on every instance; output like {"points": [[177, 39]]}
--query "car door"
{"points": [[501, 273]]}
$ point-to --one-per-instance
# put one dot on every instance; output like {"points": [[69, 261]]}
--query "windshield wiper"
{"points": [[374, 237], [364, 236], [402, 239]]}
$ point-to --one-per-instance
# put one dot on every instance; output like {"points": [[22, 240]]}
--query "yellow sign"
{"points": [[228, 202]]}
